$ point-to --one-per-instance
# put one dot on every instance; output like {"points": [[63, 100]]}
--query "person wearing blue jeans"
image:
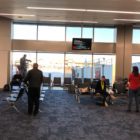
{"points": [[134, 94], [134, 88]]}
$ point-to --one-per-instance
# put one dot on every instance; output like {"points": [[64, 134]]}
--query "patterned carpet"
{"points": [[62, 118]]}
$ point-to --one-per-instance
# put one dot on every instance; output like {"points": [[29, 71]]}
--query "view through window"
{"points": [[69, 65]]}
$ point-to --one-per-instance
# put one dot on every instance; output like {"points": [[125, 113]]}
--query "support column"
{"points": [[128, 51], [123, 51], [5, 47]]}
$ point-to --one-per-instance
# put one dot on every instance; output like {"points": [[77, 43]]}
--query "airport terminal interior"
{"points": [[74, 44]]}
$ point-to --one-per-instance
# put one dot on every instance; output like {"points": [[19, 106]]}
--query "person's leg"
{"points": [[36, 100], [108, 99], [137, 100], [30, 101], [104, 97], [131, 93]]}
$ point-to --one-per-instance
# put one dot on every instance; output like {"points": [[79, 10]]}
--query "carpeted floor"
{"points": [[62, 118]]}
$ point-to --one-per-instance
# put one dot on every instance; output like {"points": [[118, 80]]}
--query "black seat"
{"points": [[107, 82], [14, 96], [67, 81], [94, 83], [57, 81], [46, 81], [77, 81], [87, 81]]}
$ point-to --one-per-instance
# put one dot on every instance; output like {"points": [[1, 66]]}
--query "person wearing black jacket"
{"points": [[16, 80], [34, 79], [101, 88]]}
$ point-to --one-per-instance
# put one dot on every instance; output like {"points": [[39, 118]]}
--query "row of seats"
{"points": [[17, 92], [68, 81]]}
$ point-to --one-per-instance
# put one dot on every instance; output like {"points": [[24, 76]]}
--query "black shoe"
{"points": [[128, 110], [137, 110], [35, 113], [29, 114]]}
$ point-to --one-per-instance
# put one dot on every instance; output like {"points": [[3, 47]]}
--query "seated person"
{"points": [[16, 80], [101, 88]]}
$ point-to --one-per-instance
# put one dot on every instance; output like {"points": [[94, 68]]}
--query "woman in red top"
{"points": [[134, 88]]}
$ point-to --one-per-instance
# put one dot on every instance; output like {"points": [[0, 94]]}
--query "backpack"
{"points": [[6, 87]]}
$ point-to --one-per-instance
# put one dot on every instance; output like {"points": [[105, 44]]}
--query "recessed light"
{"points": [[85, 10], [74, 21], [23, 15], [129, 20], [59, 9]]}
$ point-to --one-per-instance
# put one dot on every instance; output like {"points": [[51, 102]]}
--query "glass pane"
{"points": [[52, 65], [22, 31], [136, 61], [16, 56], [136, 36], [87, 33], [78, 66], [55, 33], [73, 32], [104, 65], [105, 35]]}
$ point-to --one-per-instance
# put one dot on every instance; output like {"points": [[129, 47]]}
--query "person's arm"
{"points": [[28, 60]]}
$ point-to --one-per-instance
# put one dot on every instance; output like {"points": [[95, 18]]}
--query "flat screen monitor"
{"points": [[81, 43]]}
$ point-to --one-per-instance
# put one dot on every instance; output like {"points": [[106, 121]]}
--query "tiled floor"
{"points": [[62, 118]]}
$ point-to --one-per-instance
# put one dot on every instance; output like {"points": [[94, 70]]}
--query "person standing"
{"points": [[24, 65], [134, 88], [34, 79]]}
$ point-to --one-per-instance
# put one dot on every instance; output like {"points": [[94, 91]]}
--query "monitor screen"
{"points": [[81, 43]]}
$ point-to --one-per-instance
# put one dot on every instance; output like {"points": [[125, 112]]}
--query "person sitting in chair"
{"points": [[101, 88], [16, 80]]}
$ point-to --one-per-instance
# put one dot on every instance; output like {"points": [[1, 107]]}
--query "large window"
{"points": [[24, 31], [136, 61], [62, 33], [104, 65], [87, 32], [16, 56], [52, 65], [136, 36], [53, 33], [73, 32], [78, 66], [71, 65], [105, 35]]}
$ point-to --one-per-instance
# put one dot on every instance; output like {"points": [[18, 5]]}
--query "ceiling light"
{"points": [[115, 12], [131, 20], [85, 10], [74, 21], [59, 9], [23, 15]]}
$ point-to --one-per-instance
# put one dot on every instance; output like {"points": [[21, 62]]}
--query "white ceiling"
{"points": [[20, 7]]}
